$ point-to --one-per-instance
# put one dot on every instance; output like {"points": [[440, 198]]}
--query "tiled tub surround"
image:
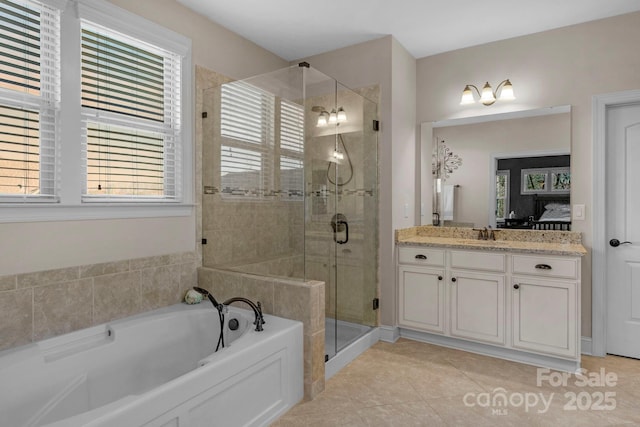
{"points": [[288, 298], [44, 304], [526, 241]]}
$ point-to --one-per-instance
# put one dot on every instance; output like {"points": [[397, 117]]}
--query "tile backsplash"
{"points": [[39, 305]]}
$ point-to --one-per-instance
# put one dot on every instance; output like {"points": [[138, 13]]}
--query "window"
{"points": [[29, 100], [131, 116], [502, 194], [116, 128], [246, 125], [256, 161], [291, 150]]}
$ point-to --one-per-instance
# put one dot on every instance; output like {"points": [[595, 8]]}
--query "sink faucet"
{"points": [[257, 310], [482, 233], [485, 234]]}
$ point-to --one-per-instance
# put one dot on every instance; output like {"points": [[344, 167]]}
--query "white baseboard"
{"points": [[586, 346], [491, 350], [389, 333]]}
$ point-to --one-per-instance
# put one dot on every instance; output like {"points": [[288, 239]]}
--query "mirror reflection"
{"points": [[502, 171]]}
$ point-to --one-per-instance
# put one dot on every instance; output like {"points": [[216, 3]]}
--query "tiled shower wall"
{"points": [[238, 231], [35, 306]]}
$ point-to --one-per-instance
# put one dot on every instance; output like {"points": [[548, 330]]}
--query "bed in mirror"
{"points": [[505, 170]]}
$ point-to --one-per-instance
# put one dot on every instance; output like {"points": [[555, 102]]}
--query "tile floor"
{"points": [[416, 384]]}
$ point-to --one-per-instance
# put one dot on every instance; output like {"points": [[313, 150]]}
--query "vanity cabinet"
{"points": [[544, 294], [421, 294], [477, 306], [523, 304], [477, 295], [421, 288]]}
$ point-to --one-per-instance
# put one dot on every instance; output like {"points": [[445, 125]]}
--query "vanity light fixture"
{"points": [[325, 118], [488, 96]]}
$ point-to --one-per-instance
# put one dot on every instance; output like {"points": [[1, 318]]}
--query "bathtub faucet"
{"points": [[206, 293], [257, 310]]}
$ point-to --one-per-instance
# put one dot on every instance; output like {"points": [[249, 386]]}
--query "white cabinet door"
{"points": [[421, 297], [545, 316], [477, 306]]}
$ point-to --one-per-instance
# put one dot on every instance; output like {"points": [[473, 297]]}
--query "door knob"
{"points": [[615, 243]]}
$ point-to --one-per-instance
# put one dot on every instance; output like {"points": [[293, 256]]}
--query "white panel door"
{"points": [[623, 230]]}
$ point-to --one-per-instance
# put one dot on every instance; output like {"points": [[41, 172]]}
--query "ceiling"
{"points": [[295, 29]]}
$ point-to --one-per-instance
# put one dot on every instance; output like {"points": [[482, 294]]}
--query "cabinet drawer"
{"points": [[420, 256], [478, 261], [546, 266]]}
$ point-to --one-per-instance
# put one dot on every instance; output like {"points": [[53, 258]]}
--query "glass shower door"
{"points": [[354, 178]]}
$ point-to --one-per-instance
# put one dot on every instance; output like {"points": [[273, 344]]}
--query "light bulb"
{"points": [[322, 119], [342, 115], [487, 97], [333, 118], [507, 92], [467, 96]]}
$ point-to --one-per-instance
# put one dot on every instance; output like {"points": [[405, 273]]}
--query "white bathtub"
{"points": [[156, 369]]}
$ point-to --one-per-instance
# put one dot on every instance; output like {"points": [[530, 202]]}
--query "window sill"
{"points": [[50, 212]]}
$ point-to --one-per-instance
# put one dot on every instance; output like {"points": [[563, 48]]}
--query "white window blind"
{"points": [[29, 100], [291, 150], [130, 105], [247, 128]]}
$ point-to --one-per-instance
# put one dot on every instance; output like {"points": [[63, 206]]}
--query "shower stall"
{"points": [[290, 175]]}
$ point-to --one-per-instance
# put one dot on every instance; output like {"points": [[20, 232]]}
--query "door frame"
{"points": [[600, 105]]}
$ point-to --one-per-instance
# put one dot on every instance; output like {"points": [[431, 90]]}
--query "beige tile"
{"points": [[116, 296], [258, 289], [331, 419], [318, 363], [222, 285], [104, 268], [292, 301], [403, 414], [62, 308], [159, 287], [8, 283], [152, 261], [16, 318], [43, 278], [409, 376], [454, 412], [188, 277]]}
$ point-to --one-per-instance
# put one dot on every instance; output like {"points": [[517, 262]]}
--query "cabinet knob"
{"points": [[543, 266], [420, 256], [516, 286], [439, 277], [453, 279]]}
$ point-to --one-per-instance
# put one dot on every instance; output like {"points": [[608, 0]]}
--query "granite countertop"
{"points": [[523, 241]]}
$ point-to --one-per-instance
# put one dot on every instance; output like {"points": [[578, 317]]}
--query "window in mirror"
{"points": [[502, 194]]}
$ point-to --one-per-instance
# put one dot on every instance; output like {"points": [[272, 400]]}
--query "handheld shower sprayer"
{"points": [[206, 293]]}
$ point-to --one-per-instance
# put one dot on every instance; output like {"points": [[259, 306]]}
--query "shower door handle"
{"points": [[346, 229]]}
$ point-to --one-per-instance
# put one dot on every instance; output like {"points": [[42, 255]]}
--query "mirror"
{"points": [[498, 170]]}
